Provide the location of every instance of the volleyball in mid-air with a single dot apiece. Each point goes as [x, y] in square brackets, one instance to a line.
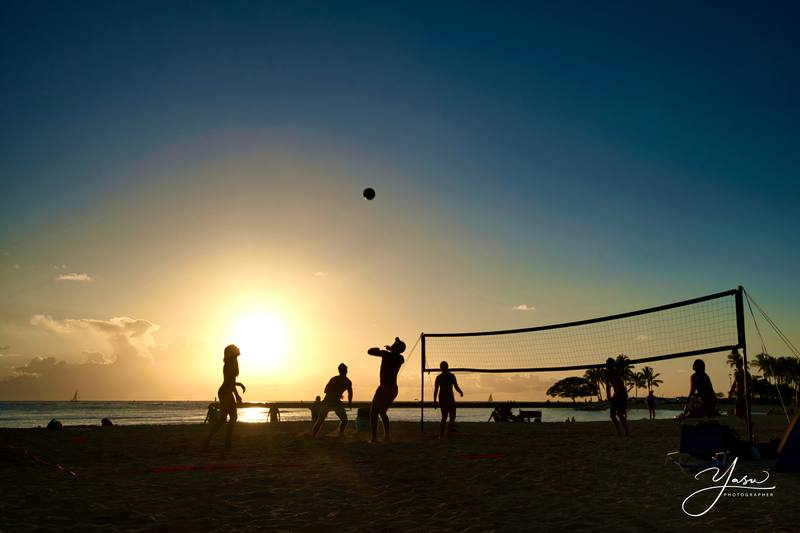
[369, 193]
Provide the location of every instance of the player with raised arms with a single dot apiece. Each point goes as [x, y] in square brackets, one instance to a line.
[391, 361]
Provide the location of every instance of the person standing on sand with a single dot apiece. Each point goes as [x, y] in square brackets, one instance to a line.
[228, 395]
[651, 405]
[739, 390]
[315, 407]
[333, 400]
[446, 382]
[618, 401]
[391, 361]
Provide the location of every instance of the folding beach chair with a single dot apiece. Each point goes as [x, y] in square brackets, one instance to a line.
[705, 445]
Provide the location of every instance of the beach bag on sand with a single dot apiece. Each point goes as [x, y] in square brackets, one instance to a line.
[706, 439]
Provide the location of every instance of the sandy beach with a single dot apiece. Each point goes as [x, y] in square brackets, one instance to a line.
[507, 477]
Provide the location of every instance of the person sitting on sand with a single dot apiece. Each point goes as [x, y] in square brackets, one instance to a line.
[739, 389]
[315, 408]
[391, 361]
[651, 405]
[446, 382]
[333, 400]
[619, 399]
[501, 413]
[228, 395]
[702, 398]
[212, 414]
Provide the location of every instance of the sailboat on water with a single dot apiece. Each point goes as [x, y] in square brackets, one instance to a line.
[74, 397]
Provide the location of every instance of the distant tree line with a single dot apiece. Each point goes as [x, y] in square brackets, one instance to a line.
[777, 374]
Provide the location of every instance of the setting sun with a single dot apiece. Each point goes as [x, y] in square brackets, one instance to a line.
[263, 340]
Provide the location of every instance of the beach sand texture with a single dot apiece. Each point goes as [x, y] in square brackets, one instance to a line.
[509, 477]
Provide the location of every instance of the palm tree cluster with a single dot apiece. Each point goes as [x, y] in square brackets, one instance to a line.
[781, 373]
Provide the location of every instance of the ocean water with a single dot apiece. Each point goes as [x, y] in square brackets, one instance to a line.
[33, 414]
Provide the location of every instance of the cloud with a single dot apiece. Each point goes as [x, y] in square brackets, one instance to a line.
[4, 348]
[642, 338]
[83, 276]
[96, 358]
[17, 267]
[58, 267]
[524, 307]
[134, 367]
[321, 274]
[513, 384]
[131, 338]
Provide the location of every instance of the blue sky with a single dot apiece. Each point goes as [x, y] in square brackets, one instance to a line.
[582, 158]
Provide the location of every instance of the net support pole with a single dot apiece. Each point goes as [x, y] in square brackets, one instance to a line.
[743, 346]
[422, 385]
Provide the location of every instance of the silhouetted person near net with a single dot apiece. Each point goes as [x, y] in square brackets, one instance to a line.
[618, 401]
[651, 405]
[702, 398]
[333, 400]
[446, 382]
[739, 389]
[391, 361]
[228, 395]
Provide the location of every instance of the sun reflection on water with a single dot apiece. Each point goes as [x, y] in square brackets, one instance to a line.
[253, 415]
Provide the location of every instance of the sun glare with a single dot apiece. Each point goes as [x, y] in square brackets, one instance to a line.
[263, 341]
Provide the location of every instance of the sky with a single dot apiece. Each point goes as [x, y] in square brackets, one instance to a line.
[179, 176]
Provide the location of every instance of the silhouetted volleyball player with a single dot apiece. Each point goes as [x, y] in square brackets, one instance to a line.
[333, 400]
[228, 395]
[618, 401]
[446, 382]
[391, 361]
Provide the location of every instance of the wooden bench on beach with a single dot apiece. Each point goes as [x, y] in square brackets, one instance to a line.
[526, 416]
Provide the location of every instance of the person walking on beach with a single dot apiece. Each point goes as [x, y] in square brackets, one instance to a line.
[619, 399]
[651, 405]
[446, 382]
[228, 395]
[333, 400]
[391, 361]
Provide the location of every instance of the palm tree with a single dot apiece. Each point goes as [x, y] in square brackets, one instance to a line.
[597, 377]
[638, 382]
[732, 358]
[625, 369]
[765, 363]
[651, 378]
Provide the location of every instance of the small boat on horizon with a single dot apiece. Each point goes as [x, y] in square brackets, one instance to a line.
[75, 397]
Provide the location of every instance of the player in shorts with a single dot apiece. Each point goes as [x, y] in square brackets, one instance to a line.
[391, 361]
[618, 401]
[443, 388]
[333, 400]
